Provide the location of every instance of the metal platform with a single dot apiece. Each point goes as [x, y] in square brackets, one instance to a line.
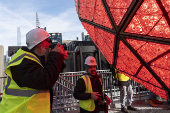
[142, 107]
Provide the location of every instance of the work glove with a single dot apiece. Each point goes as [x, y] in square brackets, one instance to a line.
[108, 100]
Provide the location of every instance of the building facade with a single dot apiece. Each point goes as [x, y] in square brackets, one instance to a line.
[1, 67]
[85, 36]
[78, 51]
[56, 37]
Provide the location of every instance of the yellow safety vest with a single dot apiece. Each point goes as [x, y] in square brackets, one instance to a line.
[122, 77]
[17, 99]
[89, 104]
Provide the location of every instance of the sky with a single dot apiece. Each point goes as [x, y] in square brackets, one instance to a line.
[55, 15]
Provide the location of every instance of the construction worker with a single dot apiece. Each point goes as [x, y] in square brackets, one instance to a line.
[88, 90]
[153, 100]
[31, 74]
[124, 83]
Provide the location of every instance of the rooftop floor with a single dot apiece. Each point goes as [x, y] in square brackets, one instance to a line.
[142, 107]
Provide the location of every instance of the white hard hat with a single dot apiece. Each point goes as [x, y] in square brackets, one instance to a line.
[91, 61]
[35, 37]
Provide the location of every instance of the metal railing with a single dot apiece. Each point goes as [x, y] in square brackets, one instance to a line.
[64, 88]
[2, 85]
[63, 99]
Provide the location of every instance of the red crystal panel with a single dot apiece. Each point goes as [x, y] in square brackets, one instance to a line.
[103, 40]
[150, 87]
[163, 62]
[158, 55]
[93, 10]
[144, 78]
[128, 63]
[101, 18]
[145, 75]
[100, 15]
[145, 18]
[118, 8]
[162, 73]
[161, 29]
[166, 4]
[119, 3]
[136, 44]
[148, 20]
[86, 9]
[154, 53]
[126, 60]
[150, 50]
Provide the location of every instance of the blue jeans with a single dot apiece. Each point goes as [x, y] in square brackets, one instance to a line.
[123, 90]
[152, 95]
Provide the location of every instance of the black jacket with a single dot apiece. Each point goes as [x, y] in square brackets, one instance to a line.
[80, 89]
[30, 74]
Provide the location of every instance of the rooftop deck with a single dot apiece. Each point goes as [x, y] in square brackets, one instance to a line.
[142, 107]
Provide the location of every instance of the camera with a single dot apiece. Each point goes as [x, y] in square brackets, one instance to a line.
[53, 45]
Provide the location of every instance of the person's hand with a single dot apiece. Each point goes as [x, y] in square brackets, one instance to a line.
[108, 100]
[95, 95]
[59, 48]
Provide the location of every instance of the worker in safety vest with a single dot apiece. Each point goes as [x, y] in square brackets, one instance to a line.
[88, 90]
[31, 74]
[124, 83]
[152, 101]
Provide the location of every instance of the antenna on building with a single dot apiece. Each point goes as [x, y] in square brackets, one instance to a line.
[37, 21]
[18, 36]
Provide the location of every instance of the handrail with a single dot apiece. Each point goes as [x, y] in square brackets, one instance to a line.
[67, 81]
[70, 75]
[82, 74]
[4, 77]
[64, 86]
[55, 108]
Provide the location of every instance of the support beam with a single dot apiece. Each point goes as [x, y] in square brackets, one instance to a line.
[109, 14]
[129, 15]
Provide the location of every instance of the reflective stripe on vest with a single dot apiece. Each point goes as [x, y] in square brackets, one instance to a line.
[17, 92]
[21, 56]
[87, 80]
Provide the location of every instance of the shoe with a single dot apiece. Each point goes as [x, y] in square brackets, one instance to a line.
[132, 108]
[124, 110]
[151, 103]
[157, 101]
